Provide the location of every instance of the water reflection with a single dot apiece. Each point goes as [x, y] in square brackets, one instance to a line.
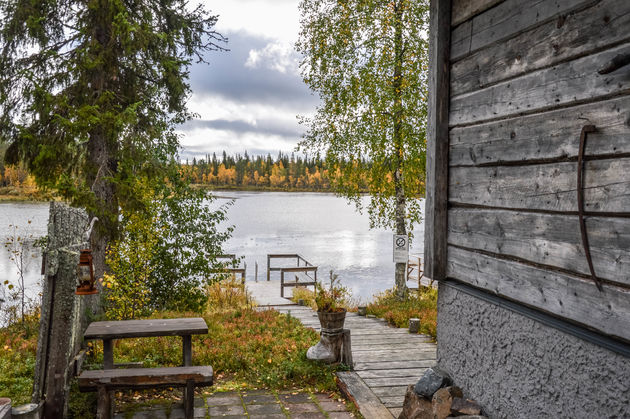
[325, 229]
[19, 214]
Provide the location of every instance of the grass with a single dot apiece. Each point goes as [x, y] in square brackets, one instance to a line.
[18, 345]
[247, 349]
[13, 193]
[302, 293]
[421, 304]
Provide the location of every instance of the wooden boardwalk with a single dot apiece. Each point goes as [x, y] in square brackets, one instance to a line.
[386, 359]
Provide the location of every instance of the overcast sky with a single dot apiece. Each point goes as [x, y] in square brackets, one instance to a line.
[248, 97]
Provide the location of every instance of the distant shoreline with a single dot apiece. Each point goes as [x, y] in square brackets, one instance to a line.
[17, 195]
[257, 189]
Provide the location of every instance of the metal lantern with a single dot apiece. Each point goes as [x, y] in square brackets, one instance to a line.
[85, 271]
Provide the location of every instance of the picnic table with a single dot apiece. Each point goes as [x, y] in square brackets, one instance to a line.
[109, 378]
[109, 331]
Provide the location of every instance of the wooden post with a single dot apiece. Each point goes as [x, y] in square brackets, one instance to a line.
[282, 283]
[414, 325]
[256, 270]
[346, 349]
[268, 266]
[189, 399]
[61, 352]
[108, 354]
[187, 350]
[104, 405]
[63, 316]
[436, 215]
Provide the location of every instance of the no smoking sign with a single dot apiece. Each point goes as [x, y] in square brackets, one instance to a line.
[401, 248]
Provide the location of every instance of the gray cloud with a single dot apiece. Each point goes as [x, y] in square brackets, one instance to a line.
[200, 152]
[265, 127]
[228, 77]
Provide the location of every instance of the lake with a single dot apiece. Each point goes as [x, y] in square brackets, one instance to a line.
[323, 228]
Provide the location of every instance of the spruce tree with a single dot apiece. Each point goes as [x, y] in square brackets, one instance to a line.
[91, 91]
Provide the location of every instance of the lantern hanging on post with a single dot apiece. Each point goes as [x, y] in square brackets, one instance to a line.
[85, 272]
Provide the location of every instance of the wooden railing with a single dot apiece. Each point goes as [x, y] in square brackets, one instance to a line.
[415, 271]
[232, 257]
[306, 269]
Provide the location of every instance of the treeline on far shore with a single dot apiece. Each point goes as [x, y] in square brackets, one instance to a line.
[241, 171]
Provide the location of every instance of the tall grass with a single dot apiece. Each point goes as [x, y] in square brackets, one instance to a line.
[246, 347]
[421, 304]
[18, 345]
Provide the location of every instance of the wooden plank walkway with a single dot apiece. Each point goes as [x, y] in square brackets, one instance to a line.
[386, 359]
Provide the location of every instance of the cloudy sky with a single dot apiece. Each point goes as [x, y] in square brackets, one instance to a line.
[248, 97]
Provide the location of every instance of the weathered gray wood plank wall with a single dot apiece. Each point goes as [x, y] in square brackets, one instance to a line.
[523, 82]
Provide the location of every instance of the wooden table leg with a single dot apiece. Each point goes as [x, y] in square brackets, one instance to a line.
[104, 406]
[189, 392]
[189, 399]
[108, 354]
[187, 351]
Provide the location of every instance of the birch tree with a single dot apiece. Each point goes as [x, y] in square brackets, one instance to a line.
[367, 62]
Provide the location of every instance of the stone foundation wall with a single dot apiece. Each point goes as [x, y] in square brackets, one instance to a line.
[516, 367]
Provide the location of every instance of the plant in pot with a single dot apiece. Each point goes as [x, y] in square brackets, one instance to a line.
[331, 311]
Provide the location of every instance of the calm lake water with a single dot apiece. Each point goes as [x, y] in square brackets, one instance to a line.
[323, 228]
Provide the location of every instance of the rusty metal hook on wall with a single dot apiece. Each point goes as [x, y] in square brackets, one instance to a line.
[580, 198]
[619, 61]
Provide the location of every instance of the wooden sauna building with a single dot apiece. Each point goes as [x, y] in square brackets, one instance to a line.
[528, 203]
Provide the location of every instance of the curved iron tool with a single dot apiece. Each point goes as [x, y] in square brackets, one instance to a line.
[619, 61]
[580, 197]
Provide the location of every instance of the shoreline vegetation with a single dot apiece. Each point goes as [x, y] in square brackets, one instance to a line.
[22, 194]
[284, 173]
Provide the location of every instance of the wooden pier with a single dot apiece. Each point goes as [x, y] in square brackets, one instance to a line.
[386, 359]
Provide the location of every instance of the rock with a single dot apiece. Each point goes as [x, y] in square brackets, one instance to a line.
[441, 403]
[5, 408]
[27, 411]
[415, 406]
[442, 399]
[461, 407]
[432, 380]
[456, 391]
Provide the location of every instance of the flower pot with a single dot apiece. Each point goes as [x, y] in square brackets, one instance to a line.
[332, 322]
[328, 349]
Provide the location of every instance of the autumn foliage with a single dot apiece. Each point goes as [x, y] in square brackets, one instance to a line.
[242, 171]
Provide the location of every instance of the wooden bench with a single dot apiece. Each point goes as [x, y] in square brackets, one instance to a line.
[103, 381]
[187, 376]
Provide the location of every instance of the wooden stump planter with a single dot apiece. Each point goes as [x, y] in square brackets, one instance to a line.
[328, 349]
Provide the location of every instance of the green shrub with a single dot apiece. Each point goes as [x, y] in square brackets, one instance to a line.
[18, 345]
[302, 293]
[421, 304]
[166, 253]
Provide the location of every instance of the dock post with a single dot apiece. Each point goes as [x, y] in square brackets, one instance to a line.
[268, 266]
